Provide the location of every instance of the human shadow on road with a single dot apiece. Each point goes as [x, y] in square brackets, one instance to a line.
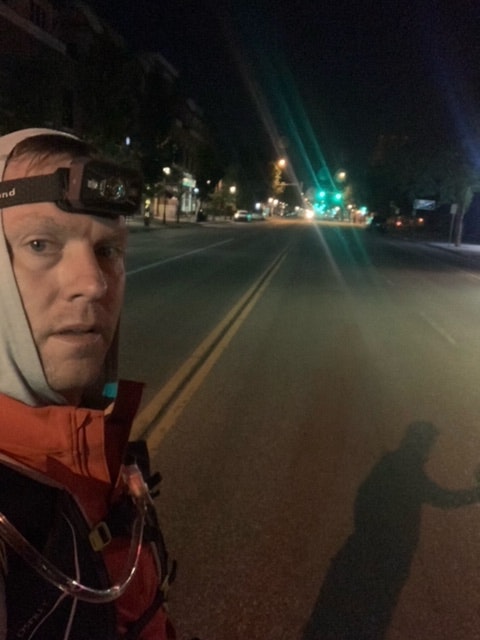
[362, 586]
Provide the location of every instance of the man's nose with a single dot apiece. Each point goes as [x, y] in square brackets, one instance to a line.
[84, 275]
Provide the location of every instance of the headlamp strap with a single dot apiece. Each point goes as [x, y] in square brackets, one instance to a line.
[45, 188]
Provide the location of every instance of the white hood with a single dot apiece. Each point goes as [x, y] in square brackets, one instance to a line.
[21, 372]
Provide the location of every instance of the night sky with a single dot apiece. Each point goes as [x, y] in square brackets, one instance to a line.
[319, 80]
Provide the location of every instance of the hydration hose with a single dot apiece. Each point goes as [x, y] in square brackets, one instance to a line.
[70, 586]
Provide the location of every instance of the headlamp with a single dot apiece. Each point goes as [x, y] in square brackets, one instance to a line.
[87, 186]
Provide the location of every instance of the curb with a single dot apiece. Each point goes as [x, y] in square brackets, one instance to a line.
[138, 225]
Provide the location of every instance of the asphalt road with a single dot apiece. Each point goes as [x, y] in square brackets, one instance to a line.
[313, 405]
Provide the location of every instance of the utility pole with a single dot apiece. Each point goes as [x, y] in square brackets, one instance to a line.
[465, 201]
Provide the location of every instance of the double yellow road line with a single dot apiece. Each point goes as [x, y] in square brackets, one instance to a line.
[162, 412]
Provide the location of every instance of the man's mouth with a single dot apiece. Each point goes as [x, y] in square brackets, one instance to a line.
[81, 335]
[76, 331]
[79, 328]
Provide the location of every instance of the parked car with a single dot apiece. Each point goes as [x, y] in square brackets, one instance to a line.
[411, 221]
[257, 215]
[242, 215]
[378, 223]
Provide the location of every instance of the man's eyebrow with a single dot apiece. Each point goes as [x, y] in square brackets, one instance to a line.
[37, 221]
[120, 233]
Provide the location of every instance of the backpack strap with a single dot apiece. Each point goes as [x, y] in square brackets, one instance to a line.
[137, 452]
[49, 518]
[118, 523]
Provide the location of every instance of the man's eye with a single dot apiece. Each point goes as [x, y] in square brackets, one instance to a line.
[38, 245]
[110, 251]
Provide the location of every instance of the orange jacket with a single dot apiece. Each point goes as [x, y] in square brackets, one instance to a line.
[82, 449]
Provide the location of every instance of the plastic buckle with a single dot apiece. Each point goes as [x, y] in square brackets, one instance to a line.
[100, 536]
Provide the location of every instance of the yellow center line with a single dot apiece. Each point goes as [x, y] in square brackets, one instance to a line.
[192, 373]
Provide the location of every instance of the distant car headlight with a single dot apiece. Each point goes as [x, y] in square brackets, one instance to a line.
[309, 214]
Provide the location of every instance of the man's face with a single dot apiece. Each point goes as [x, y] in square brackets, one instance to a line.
[70, 272]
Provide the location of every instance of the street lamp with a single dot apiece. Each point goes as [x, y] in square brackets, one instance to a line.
[232, 200]
[167, 171]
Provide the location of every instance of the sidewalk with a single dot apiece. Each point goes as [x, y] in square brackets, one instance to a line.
[136, 223]
[466, 250]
